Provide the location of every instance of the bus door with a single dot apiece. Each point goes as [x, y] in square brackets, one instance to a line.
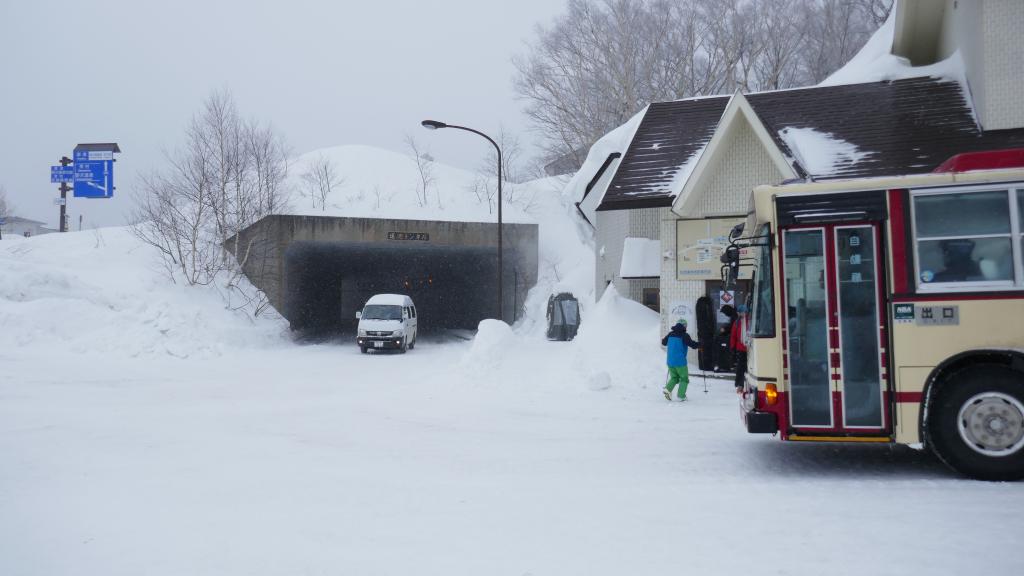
[835, 328]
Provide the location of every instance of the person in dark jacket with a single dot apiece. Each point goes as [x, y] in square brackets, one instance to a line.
[677, 342]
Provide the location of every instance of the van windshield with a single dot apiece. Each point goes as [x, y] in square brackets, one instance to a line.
[382, 312]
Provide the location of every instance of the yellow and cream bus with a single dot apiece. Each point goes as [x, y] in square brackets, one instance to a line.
[891, 310]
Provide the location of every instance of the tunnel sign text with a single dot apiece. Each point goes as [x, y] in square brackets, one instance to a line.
[421, 236]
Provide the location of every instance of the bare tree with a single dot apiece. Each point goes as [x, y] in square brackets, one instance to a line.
[603, 60]
[425, 171]
[320, 179]
[227, 175]
[5, 207]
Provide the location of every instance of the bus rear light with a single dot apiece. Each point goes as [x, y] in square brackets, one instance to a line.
[771, 394]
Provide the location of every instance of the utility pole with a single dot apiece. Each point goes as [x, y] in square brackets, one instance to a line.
[64, 188]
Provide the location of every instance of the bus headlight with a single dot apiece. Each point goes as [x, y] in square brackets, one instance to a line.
[771, 394]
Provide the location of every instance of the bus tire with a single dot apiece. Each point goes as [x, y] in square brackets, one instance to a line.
[976, 425]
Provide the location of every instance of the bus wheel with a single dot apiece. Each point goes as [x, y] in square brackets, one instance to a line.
[977, 423]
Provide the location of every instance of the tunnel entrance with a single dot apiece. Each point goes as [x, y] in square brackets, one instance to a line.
[318, 270]
[452, 286]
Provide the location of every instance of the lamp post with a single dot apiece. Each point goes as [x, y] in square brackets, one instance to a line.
[435, 125]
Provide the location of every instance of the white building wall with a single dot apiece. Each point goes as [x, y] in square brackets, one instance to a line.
[987, 34]
[1003, 102]
[612, 227]
[743, 165]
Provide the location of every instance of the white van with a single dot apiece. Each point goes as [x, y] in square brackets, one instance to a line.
[387, 321]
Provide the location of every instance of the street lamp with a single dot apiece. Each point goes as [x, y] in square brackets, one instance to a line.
[435, 125]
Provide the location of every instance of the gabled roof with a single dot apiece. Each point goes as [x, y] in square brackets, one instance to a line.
[669, 136]
[905, 126]
[879, 128]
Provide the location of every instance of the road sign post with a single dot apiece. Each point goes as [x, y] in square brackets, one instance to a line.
[92, 175]
[64, 161]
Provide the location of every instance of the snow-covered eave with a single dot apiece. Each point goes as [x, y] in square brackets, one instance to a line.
[588, 186]
[737, 110]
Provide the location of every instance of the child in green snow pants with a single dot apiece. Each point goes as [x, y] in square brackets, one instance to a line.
[678, 375]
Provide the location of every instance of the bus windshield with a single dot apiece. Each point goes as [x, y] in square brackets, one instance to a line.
[382, 312]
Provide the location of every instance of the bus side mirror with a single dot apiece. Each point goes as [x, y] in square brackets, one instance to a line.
[737, 231]
[731, 262]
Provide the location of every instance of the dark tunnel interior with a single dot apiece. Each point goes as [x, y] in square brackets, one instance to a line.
[327, 282]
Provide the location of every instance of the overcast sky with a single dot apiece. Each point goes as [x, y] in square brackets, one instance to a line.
[325, 73]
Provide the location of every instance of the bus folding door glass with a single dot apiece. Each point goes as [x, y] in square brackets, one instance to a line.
[1020, 222]
[963, 237]
[764, 307]
[810, 377]
[858, 326]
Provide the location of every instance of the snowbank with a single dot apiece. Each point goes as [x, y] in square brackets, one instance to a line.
[617, 347]
[101, 292]
[377, 183]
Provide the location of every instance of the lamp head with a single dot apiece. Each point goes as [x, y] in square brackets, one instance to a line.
[433, 124]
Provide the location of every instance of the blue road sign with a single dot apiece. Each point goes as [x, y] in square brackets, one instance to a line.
[62, 174]
[94, 174]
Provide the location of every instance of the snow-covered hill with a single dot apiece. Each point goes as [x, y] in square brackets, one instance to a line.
[103, 292]
[377, 183]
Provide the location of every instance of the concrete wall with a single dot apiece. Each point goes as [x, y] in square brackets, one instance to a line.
[612, 227]
[271, 237]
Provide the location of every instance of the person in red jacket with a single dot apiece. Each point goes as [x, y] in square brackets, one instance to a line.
[737, 341]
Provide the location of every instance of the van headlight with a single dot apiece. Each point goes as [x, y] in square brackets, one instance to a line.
[362, 332]
[400, 332]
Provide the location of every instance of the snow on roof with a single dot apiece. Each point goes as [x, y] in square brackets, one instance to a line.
[615, 141]
[641, 258]
[876, 62]
[663, 152]
[388, 299]
[377, 183]
[821, 153]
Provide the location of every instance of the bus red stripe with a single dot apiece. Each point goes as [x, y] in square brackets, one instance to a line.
[911, 397]
[897, 222]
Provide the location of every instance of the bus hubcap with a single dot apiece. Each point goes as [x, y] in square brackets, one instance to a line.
[992, 423]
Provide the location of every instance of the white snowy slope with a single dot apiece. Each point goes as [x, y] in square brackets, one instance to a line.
[506, 455]
[377, 183]
[103, 293]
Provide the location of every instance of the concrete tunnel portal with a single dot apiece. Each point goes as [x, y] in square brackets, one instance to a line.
[318, 270]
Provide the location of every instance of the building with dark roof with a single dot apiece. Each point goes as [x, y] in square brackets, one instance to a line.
[685, 175]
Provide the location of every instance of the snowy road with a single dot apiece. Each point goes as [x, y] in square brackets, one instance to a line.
[319, 460]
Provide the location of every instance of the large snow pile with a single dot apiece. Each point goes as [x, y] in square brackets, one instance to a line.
[102, 292]
[821, 153]
[375, 183]
[617, 347]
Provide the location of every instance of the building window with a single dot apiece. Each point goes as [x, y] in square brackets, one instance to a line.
[965, 240]
[652, 298]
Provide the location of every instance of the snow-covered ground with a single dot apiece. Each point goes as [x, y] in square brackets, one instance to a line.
[146, 429]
